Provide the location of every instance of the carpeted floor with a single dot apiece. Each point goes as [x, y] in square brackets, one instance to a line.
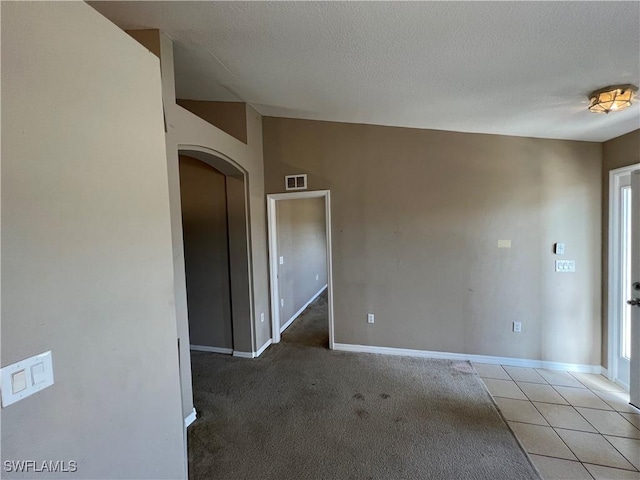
[301, 411]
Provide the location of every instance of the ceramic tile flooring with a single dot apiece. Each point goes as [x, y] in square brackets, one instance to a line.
[573, 425]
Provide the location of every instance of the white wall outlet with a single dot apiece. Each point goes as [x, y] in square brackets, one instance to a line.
[317, 277]
[282, 302]
[262, 317]
[517, 327]
[24, 378]
[371, 318]
[281, 260]
[504, 243]
[565, 266]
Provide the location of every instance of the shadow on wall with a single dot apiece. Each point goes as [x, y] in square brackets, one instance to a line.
[216, 255]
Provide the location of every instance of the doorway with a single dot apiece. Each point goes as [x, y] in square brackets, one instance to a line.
[216, 238]
[620, 313]
[292, 292]
[203, 199]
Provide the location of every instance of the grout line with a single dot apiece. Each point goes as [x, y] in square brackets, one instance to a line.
[591, 463]
[569, 429]
[547, 420]
[581, 406]
[607, 466]
[514, 380]
[574, 461]
[561, 439]
[577, 379]
[565, 443]
[576, 410]
[506, 423]
[586, 420]
[614, 447]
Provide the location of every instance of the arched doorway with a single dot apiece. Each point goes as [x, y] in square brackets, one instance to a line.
[216, 248]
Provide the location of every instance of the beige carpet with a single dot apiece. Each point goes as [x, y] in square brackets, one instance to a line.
[301, 411]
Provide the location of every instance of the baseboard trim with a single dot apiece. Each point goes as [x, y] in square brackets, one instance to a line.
[204, 348]
[190, 418]
[263, 348]
[239, 354]
[515, 362]
[297, 314]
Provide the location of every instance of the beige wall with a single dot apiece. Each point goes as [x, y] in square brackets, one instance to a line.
[187, 131]
[302, 242]
[206, 252]
[416, 217]
[242, 163]
[86, 246]
[230, 117]
[619, 152]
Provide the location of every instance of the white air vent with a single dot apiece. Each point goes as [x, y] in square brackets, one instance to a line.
[296, 182]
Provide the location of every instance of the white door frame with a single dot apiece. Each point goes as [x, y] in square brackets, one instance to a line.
[634, 370]
[273, 256]
[614, 287]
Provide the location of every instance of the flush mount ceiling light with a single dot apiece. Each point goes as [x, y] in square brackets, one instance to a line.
[611, 99]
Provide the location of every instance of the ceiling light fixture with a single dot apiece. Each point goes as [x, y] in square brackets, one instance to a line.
[611, 99]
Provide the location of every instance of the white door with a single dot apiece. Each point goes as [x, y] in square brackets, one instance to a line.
[634, 292]
[620, 209]
[623, 310]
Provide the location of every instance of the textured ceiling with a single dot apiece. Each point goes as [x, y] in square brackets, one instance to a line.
[512, 68]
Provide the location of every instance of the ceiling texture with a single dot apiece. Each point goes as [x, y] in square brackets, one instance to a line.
[511, 68]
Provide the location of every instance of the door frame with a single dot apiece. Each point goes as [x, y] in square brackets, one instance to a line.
[272, 199]
[613, 286]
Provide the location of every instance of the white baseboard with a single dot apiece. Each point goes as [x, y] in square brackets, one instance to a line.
[297, 314]
[237, 353]
[190, 418]
[263, 348]
[204, 348]
[515, 362]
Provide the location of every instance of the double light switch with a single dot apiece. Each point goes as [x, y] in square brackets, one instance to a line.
[24, 378]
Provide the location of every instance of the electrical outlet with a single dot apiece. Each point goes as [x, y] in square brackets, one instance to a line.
[371, 318]
[262, 317]
[517, 327]
[317, 277]
[282, 302]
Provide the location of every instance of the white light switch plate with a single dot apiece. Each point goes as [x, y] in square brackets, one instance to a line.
[504, 243]
[24, 378]
[565, 266]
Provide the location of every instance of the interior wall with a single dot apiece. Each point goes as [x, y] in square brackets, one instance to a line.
[186, 131]
[416, 220]
[619, 152]
[302, 242]
[230, 117]
[86, 247]
[206, 253]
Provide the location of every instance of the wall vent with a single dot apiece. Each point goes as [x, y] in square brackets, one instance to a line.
[296, 182]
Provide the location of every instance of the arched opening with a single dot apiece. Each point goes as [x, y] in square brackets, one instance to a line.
[215, 238]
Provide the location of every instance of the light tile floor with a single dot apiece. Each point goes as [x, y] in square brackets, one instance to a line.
[573, 425]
